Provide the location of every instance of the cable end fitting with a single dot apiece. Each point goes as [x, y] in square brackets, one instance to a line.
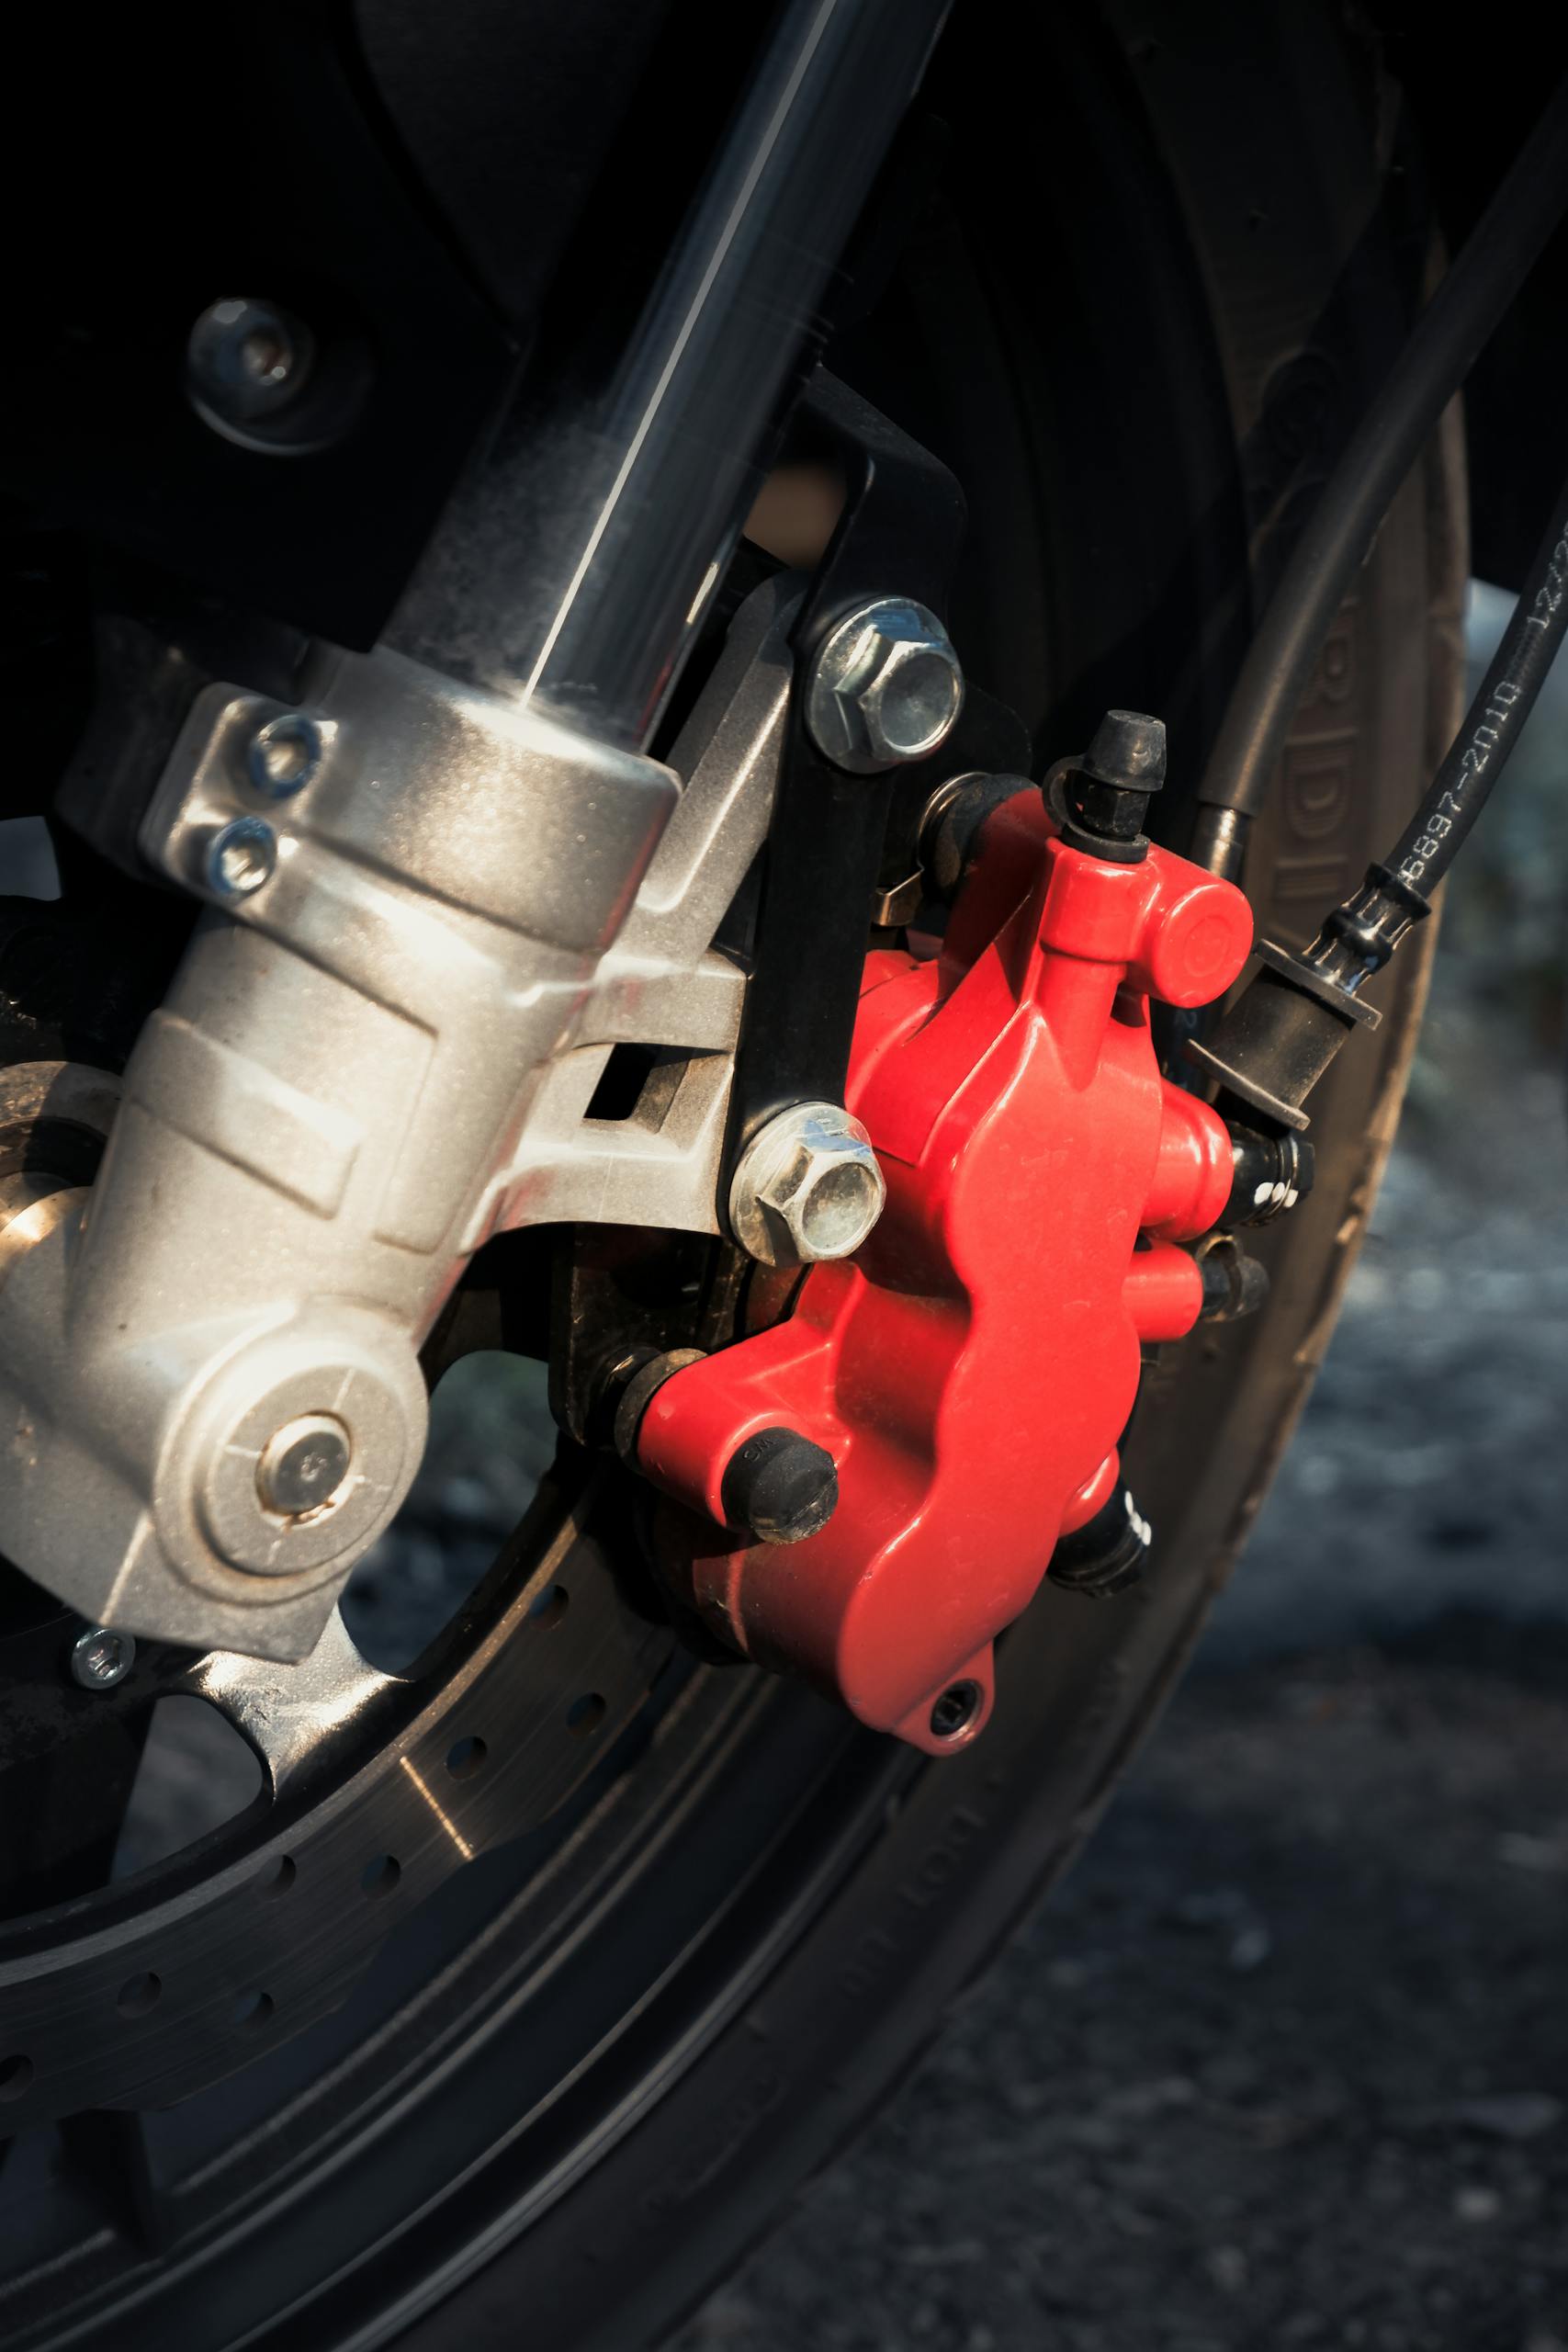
[1273, 1174]
[1280, 1036]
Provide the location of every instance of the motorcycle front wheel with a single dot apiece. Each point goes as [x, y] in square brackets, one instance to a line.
[517, 2070]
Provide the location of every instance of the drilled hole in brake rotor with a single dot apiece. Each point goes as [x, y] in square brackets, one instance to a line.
[585, 1714]
[139, 1995]
[252, 2010]
[546, 1610]
[16, 2073]
[380, 1874]
[465, 1758]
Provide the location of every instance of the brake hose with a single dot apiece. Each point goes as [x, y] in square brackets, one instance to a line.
[1281, 1034]
[1447, 337]
[1464, 784]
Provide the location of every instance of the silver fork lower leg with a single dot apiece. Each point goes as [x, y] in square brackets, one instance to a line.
[209, 1374]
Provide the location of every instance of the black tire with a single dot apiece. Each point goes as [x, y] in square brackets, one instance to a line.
[1170, 256]
[1229, 182]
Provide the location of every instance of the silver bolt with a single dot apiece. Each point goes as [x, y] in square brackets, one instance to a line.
[885, 687]
[806, 1187]
[245, 360]
[285, 755]
[303, 1465]
[240, 857]
[101, 1657]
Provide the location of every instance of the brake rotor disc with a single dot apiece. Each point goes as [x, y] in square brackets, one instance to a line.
[167, 1983]
[376, 1787]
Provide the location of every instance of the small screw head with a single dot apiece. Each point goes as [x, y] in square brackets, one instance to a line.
[240, 857]
[246, 360]
[100, 1657]
[885, 687]
[285, 755]
[806, 1188]
[956, 1710]
[304, 1464]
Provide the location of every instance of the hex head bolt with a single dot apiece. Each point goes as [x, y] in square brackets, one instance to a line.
[885, 687]
[806, 1187]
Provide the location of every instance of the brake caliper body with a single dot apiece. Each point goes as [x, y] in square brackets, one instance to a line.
[971, 1371]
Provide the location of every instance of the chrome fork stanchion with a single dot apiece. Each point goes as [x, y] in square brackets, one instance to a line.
[412, 885]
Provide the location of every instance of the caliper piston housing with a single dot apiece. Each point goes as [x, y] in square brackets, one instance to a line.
[971, 1371]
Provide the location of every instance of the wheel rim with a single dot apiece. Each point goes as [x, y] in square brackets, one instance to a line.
[470, 2053]
[153, 2231]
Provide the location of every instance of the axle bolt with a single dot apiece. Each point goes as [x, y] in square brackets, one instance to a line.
[806, 1188]
[240, 857]
[101, 1657]
[780, 1487]
[303, 1465]
[245, 361]
[885, 687]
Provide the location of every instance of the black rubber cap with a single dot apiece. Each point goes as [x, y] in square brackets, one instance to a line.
[1105, 795]
[1128, 749]
[780, 1487]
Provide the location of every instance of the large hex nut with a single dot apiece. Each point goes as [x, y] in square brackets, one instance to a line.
[806, 1188]
[885, 687]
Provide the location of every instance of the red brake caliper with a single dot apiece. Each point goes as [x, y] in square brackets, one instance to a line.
[972, 1370]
